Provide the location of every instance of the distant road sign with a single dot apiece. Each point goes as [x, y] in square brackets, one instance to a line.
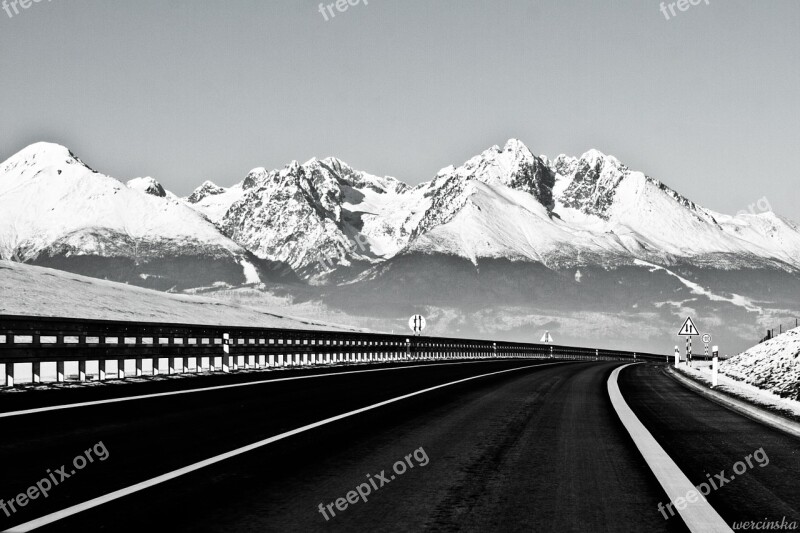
[688, 329]
[706, 338]
[547, 338]
[417, 323]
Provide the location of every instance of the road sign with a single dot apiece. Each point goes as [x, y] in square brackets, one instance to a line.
[547, 338]
[707, 338]
[688, 329]
[417, 323]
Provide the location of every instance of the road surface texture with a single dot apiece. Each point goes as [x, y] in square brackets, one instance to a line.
[705, 439]
[531, 449]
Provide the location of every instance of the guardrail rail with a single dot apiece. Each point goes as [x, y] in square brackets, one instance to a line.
[37, 340]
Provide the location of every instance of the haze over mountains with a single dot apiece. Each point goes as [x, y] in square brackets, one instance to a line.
[505, 244]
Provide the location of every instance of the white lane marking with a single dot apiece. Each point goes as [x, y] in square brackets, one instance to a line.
[698, 516]
[75, 509]
[216, 387]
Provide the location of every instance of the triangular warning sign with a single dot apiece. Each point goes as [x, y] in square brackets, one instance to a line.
[688, 329]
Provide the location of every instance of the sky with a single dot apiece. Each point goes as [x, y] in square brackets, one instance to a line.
[706, 100]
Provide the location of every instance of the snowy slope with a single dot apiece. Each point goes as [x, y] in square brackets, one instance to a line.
[55, 208]
[37, 291]
[773, 365]
[499, 222]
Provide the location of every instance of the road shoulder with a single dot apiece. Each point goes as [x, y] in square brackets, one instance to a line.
[745, 408]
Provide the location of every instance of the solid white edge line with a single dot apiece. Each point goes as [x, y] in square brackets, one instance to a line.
[100, 500]
[698, 516]
[218, 387]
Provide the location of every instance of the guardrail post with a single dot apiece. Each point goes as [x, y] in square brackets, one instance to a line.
[9, 374]
[226, 350]
[715, 366]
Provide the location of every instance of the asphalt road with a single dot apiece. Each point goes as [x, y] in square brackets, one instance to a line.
[705, 439]
[536, 449]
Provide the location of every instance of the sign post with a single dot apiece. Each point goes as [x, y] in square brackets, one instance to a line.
[706, 341]
[688, 330]
[677, 356]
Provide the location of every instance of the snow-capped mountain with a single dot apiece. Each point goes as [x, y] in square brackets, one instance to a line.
[56, 211]
[323, 216]
[599, 193]
[312, 216]
[505, 234]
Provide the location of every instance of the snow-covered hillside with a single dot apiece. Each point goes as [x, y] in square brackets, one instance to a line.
[773, 365]
[37, 291]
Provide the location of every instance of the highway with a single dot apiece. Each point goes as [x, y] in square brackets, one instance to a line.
[516, 445]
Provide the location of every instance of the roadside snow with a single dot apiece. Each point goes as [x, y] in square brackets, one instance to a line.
[702, 372]
[773, 365]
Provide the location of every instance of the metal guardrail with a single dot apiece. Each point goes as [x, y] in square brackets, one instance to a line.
[36, 340]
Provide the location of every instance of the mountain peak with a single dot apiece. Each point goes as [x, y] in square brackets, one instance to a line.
[42, 155]
[515, 145]
[208, 188]
[147, 185]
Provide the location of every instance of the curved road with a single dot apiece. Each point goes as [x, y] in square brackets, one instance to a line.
[535, 446]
